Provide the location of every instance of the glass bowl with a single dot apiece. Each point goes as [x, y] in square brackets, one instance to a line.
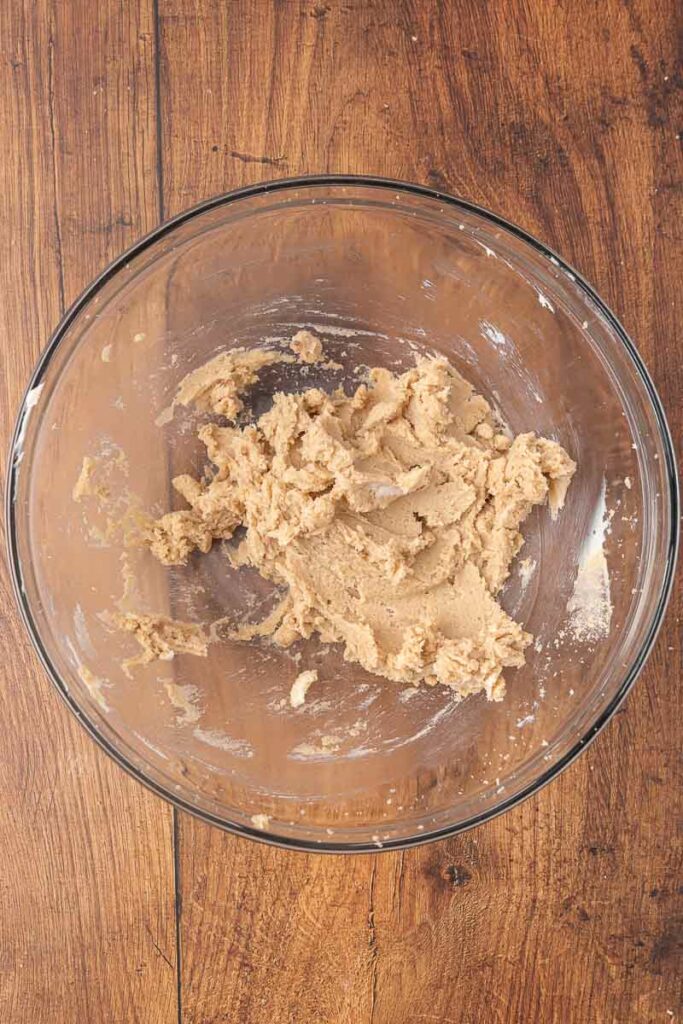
[381, 271]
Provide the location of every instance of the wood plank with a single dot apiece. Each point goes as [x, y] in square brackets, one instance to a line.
[87, 926]
[565, 123]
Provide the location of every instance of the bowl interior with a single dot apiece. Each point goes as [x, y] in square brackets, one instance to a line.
[381, 274]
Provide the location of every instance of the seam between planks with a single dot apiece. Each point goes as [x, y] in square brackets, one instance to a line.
[177, 905]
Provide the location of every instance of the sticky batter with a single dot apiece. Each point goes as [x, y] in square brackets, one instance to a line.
[390, 516]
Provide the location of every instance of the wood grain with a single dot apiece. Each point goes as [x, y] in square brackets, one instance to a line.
[565, 123]
[566, 118]
[87, 926]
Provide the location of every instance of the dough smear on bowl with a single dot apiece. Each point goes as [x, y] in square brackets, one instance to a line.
[390, 516]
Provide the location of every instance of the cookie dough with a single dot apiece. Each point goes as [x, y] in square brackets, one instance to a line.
[390, 516]
[300, 687]
[260, 821]
[86, 486]
[161, 637]
[217, 385]
[307, 346]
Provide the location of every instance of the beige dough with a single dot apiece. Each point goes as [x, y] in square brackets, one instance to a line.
[216, 386]
[160, 637]
[390, 517]
[261, 821]
[307, 347]
[85, 486]
[300, 687]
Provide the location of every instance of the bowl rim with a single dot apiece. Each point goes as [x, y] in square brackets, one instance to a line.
[657, 615]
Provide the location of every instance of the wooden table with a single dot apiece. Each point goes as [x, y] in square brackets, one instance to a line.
[562, 116]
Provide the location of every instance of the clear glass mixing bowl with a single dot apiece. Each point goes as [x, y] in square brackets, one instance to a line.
[380, 270]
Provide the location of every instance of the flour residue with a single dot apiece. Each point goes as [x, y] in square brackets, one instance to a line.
[324, 746]
[94, 686]
[486, 248]
[29, 405]
[183, 699]
[321, 747]
[406, 695]
[545, 302]
[220, 740]
[82, 633]
[434, 720]
[340, 332]
[527, 568]
[493, 334]
[590, 606]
